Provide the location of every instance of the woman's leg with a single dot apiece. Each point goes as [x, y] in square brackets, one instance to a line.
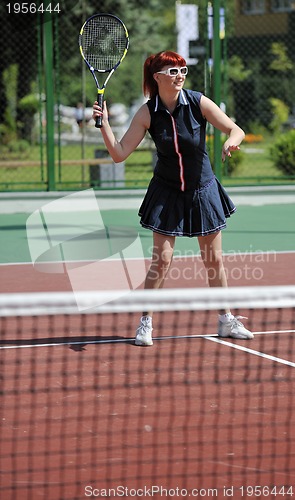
[161, 261]
[211, 253]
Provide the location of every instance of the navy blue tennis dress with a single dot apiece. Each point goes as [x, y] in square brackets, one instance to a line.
[184, 198]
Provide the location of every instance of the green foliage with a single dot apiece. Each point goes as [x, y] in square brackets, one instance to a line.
[231, 165]
[30, 103]
[280, 114]
[272, 75]
[236, 69]
[9, 78]
[256, 128]
[8, 129]
[283, 153]
[14, 148]
[236, 72]
[281, 61]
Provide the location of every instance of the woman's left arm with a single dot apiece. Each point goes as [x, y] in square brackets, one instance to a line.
[222, 122]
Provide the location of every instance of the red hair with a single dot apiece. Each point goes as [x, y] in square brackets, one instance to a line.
[155, 63]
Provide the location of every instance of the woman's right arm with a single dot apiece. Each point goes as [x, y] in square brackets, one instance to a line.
[120, 150]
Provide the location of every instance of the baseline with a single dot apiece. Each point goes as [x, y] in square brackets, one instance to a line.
[213, 337]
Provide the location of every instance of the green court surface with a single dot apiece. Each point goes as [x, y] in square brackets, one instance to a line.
[253, 228]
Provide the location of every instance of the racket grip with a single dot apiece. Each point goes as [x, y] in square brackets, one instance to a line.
[98, 122]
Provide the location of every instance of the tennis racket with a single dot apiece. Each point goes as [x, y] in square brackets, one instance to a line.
[103, 42]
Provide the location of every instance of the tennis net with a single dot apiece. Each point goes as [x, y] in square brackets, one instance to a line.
[86, 413]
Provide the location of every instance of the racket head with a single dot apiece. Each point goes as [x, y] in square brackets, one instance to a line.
[103, 42]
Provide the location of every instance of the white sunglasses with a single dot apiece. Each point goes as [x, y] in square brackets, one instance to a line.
[175, 71]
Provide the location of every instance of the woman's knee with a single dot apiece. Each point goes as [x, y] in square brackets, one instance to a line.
[163, 251]
[211, 250]
[162, 258]
[212, 258]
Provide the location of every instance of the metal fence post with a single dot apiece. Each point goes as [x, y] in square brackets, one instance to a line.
[217, 83]
[49, 105]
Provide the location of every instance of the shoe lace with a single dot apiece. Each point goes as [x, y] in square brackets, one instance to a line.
[236, 321]
[146, 328]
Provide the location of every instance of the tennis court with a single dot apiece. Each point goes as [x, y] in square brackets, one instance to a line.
[87, 414]
[258, 243]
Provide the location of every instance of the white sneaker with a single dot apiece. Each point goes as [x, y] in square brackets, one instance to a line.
[144, 332]
[234, 328]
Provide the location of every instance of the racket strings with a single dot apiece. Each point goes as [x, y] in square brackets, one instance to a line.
[103, 42]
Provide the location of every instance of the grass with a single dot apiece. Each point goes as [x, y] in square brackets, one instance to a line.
[257, 161]
[256, 168]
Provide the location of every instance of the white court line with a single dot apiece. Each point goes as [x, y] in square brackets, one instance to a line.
[129, 340]
[148, 258]
[251, 351]
[273, 331]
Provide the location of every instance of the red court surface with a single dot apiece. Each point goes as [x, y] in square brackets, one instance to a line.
[86, 413]
[261, 269]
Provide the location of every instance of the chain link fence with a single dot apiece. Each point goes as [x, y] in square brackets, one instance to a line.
[48, 138]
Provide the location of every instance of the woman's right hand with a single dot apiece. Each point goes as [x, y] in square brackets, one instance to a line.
[97, 111]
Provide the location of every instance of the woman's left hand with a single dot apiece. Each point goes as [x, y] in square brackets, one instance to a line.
[226, 150]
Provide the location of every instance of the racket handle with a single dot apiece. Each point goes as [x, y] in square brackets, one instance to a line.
[98, 122]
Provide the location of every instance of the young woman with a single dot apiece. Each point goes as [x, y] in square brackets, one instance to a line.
[184, 198]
